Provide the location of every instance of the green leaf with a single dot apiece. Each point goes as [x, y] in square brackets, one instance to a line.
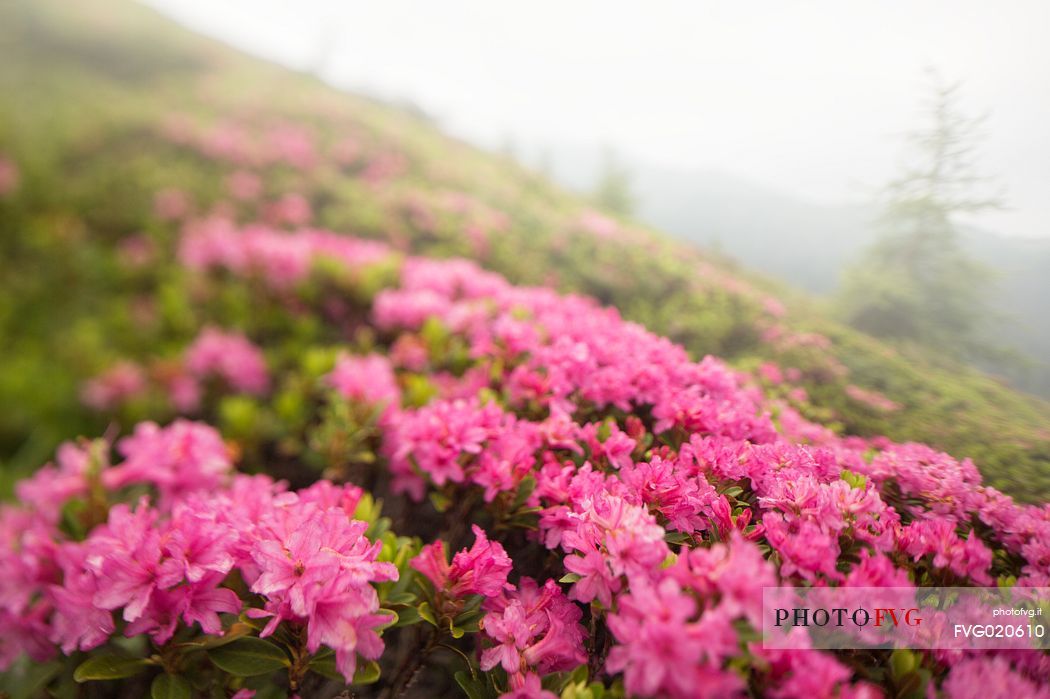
[30, 680]
[324, 664]
[902, 662]
[569, 578]
[473, 604]
[580, 675]
[524, 491]
[677, 538]
[393, 619]
[109, 667]
[471, 686]
[440, 501]
[170, 687]
[71, 522]
[247, 657]
[427, 613]
[401, 598]
[408, 616]
[469, 619]
[367, 673]
[366, 510]
[238, 630]
[855, 480]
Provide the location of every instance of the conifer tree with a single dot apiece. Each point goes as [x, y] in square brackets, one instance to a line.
[916, 283]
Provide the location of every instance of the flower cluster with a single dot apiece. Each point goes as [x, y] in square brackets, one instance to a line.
[653, 495]
[170, 564]
[534, 631]
[481, 570]
[227, 359]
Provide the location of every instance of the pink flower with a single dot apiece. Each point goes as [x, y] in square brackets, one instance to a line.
[317, 566]
[991, 677]
[78, 623]
[804, 674]
[597, 580]
[663, 652]
[243, 185]
[184, 391]
[293, 568]
[528, 686]
[292, 209]
[368, 379]
[52, 486]
[195, 547]
[200, 604]
[481, 570]
[435, 439]
[533, 628]
[137, 251]
[125, 555]
[292, 144]
[121, 382]
[771, 373]
[229, 356]
[8, 176]
[734, 573]
[876, 570]
[171, 204]
[805, 548]
[343, 617]
[685, 499]
[872, 399]
[178, 459]
[598, 225]
[616, 539]
[966, 558]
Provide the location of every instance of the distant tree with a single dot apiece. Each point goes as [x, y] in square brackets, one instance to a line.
[613, 190]
[915, 283]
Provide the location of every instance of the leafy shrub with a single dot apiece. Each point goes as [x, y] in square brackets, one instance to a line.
[575, 508]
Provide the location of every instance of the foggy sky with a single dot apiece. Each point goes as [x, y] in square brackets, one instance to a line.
[808, 97]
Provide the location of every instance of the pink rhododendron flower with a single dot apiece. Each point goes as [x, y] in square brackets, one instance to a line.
[481, 570]
[662, 651]
[229, 356]
[991, 677]
[316, 566]
[528, 686]
[533, 627]
[137, 251]
[121, 382]
[8, 176]
[661, 488]
[367, 379]
[291, 209]
[178, 459]
[244, 185]
[171, 204]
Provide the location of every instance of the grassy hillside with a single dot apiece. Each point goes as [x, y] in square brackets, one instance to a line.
[122, 127]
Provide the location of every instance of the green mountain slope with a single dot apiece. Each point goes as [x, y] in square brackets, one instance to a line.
[112, 114]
